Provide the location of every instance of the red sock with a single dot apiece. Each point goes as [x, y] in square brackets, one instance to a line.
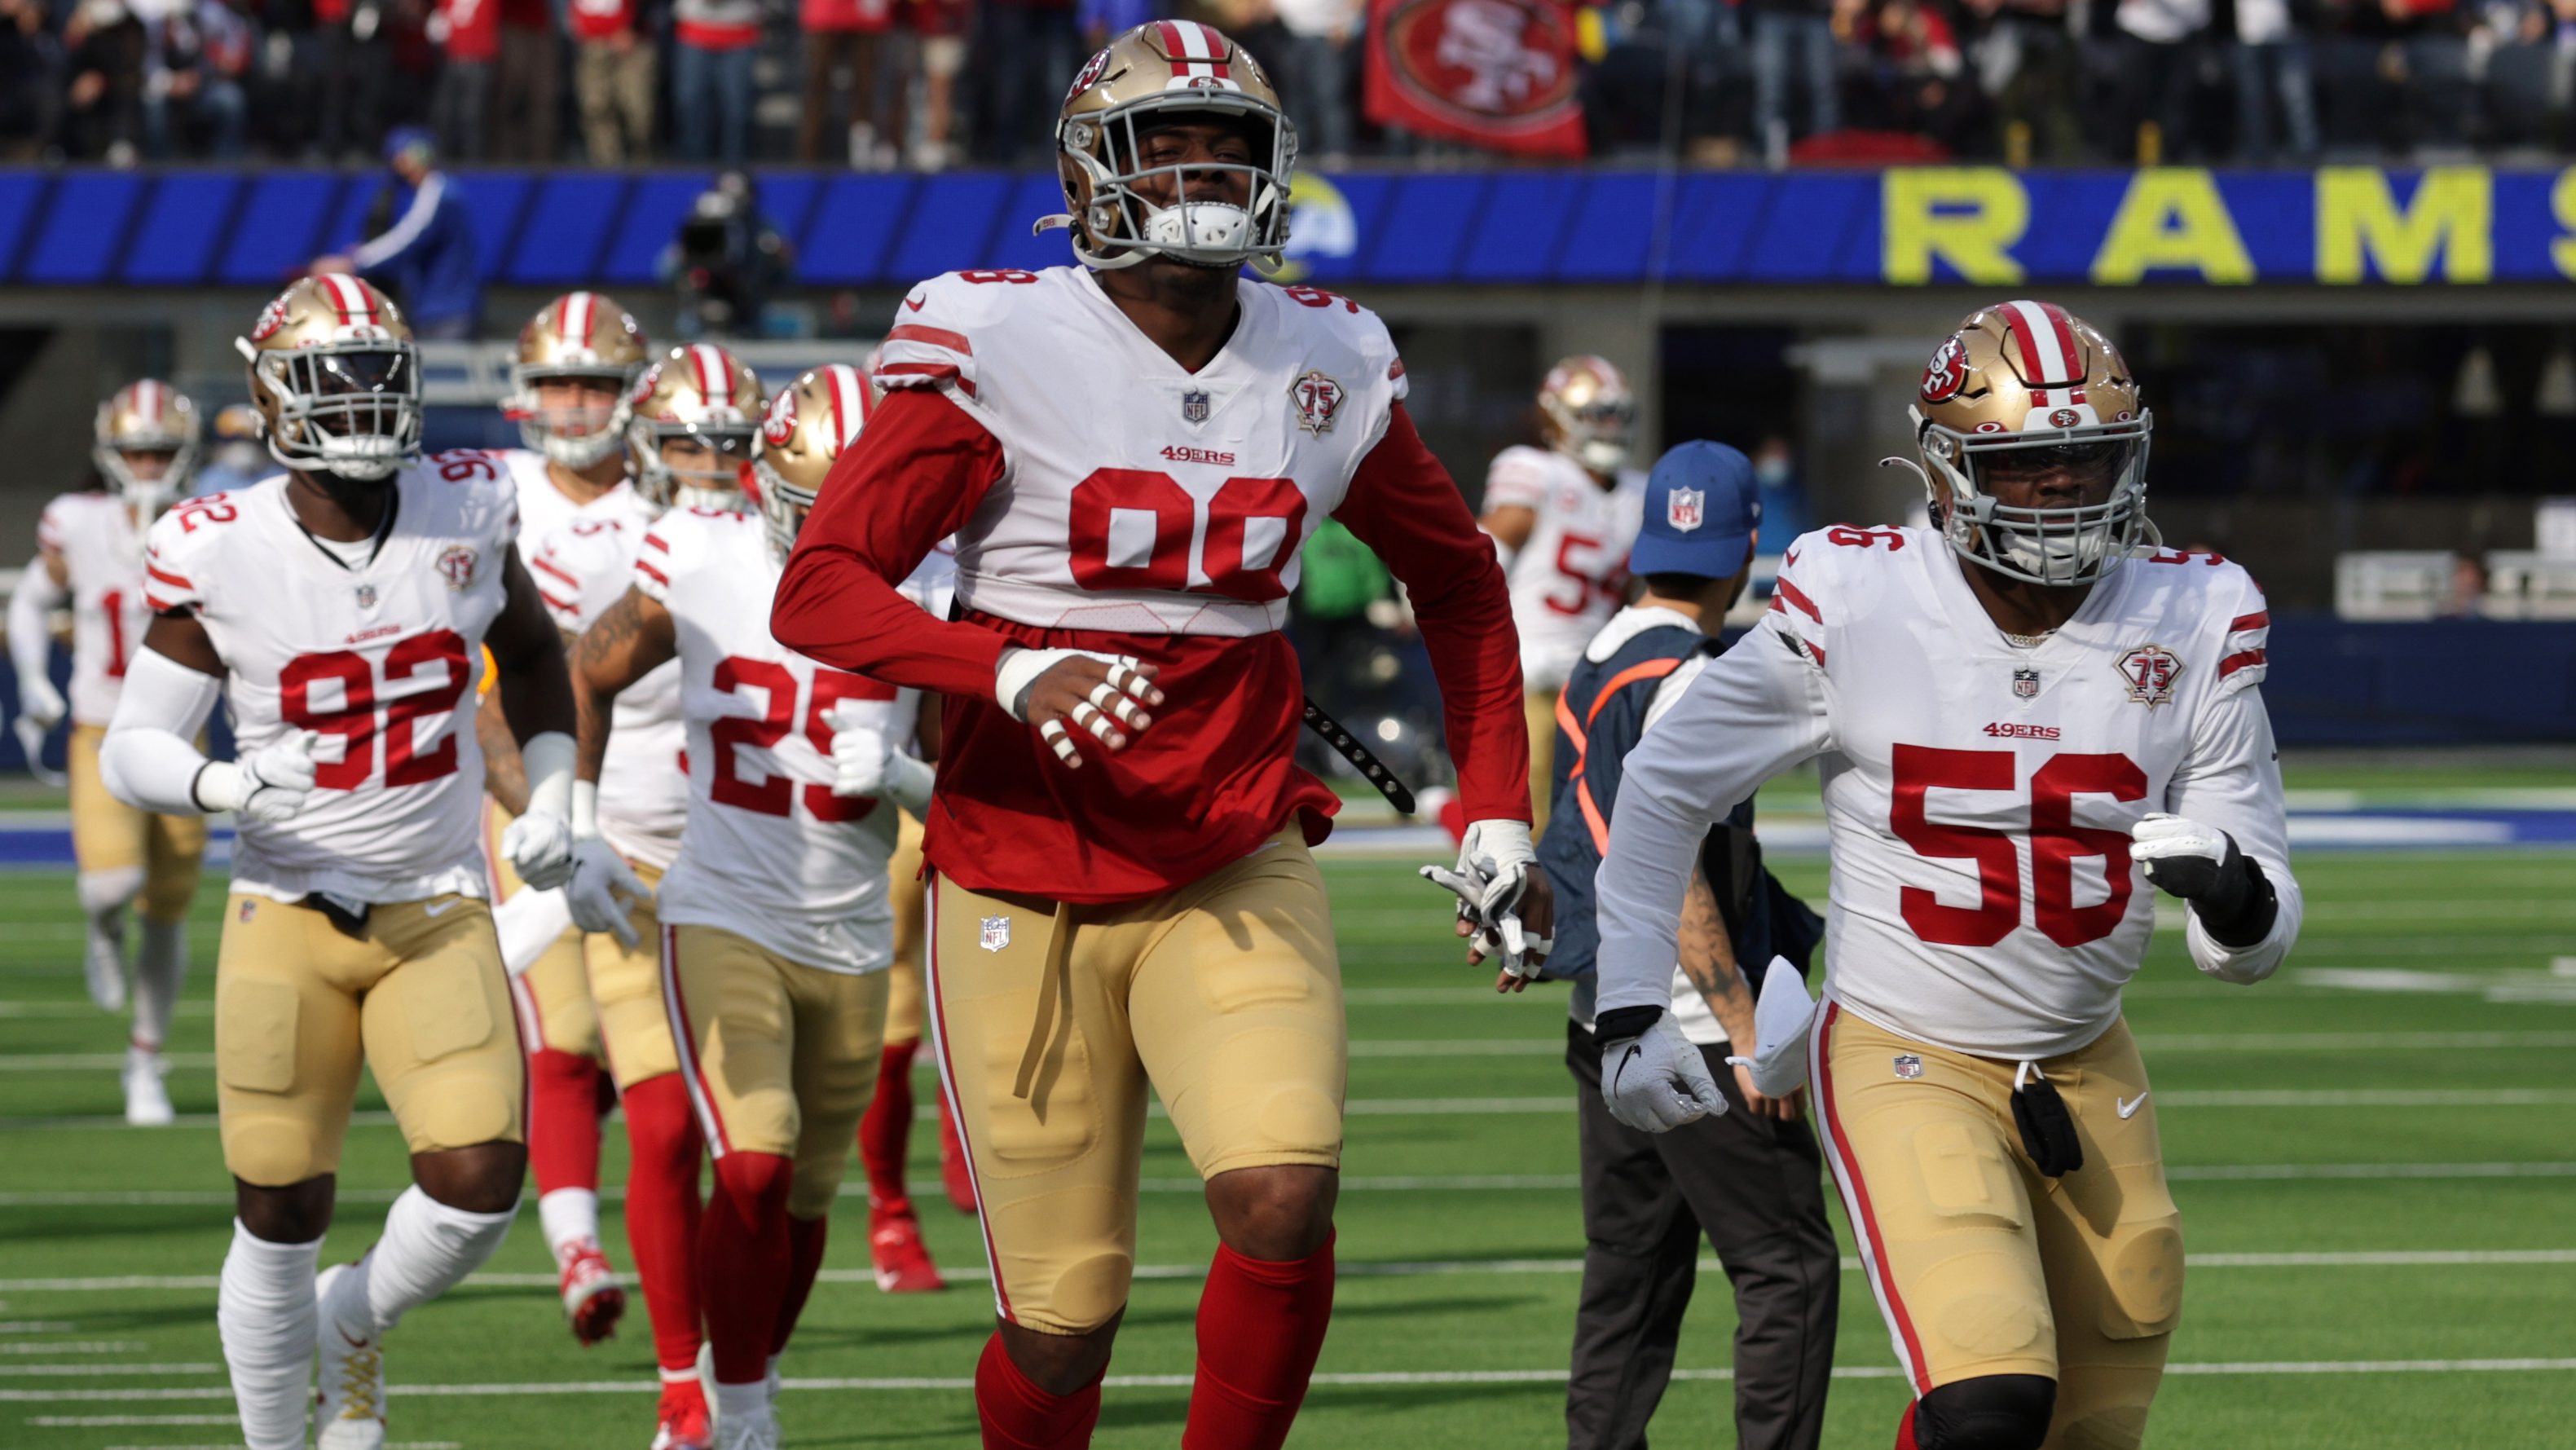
[1905, 1430]
[743, 1249]
[662, 1213]
[804, 1260]
[886, 1132]
[1261, 1324]
[1017, 1415]
[563, 1120]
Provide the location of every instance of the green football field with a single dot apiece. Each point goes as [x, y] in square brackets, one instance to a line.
[2375, 1154]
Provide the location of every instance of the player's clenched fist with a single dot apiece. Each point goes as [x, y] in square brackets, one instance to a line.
[269, 784]
[1069, 693]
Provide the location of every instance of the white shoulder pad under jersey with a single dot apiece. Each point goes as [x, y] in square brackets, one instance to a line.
[379, 657]
[769, 853]
[100, 547]
[1137, 496]
[582, 566]
[1981, 795]
[1571, 574]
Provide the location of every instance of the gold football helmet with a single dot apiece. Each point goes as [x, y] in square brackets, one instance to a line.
[1586, 410]
[1160, 70]
[2023, 386]
[700, 397]
[580, 335]
[336, 379]
[153, 419]
[810, 421]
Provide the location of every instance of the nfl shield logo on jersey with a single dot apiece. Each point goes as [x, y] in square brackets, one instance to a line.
[1908, 1066]
[2150, 671]
[1194, 406]
[2025, 684]
[1686, 508]
[456, 566]
[366, 596]
[997, 933]
[1318, 399]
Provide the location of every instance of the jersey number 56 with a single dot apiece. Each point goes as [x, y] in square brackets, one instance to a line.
[2055, 844]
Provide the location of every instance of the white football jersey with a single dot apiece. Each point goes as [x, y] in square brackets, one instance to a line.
[1132, 483]
[103, 551]
[769, 852]
[1572, 573]
[544, 510]
[378, 656]
[585, 565]
[1979, 795]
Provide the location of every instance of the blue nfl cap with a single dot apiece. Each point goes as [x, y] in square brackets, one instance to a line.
[1702, 510]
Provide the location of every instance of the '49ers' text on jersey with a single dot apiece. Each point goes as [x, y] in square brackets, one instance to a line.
[377, 656]
[1980, 795]
[581, 566]
[1571, 573]
[769, 852]
[103, 553]
[1105, 498]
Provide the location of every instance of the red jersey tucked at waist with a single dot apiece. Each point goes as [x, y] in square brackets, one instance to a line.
[1212, 778]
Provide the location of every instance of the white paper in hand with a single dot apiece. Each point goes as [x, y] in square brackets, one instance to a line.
[1782, 1017]
[528, 923]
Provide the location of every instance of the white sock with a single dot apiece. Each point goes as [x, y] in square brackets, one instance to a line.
[736, 1403]
[158, 970]
[104, 895]
[427, 1249]
[265, 1311]
[569, 1216]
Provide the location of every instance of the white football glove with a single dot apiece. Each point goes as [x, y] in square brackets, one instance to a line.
[1115, 711]
[1492, 874]
[865, 762]
[1657, 1081]
[39, 701]
[604, 891]
[539, 845]
[269, 784]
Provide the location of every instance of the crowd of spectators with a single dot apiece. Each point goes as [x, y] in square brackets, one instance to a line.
[887, 83]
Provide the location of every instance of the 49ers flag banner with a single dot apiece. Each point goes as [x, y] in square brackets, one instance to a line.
[1494, 73]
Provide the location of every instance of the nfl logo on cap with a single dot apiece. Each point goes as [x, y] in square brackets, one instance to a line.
[1686, 509]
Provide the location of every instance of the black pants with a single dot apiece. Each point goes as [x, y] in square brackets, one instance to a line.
[1755, 1187]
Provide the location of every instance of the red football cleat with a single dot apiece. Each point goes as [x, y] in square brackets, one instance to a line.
[683, 1416]
[902, 1259]
[593, 1300]
[955, 1173]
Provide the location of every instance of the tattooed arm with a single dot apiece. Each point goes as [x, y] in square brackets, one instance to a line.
[1708, 960]
[505, 775]
[631, 640]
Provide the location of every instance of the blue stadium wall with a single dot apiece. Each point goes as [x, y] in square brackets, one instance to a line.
[1915, 226]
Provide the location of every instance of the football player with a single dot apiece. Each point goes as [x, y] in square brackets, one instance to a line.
[1565, 516]
[339, 608]
[577, 358]
[90, 554]
[1123, 894]
[776, 931]
[2015, 709]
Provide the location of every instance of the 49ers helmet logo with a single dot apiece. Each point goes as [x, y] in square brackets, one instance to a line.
[781, 423]
[1947, 373]
[1084, 79]
[271, 318]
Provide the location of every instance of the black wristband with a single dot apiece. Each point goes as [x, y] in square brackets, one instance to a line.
[2257, 906]
[195, 799]
[1622, 1023]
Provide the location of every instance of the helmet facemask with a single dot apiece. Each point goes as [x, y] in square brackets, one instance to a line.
[149, 496]
[1111, 175]
[712, 479]
[2060, 546]
[349, 409]
[783, 507]
[1596, 434]
[576, 437]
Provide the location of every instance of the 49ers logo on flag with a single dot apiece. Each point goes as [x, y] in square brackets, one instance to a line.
[781, 423]
[1947, 373]
[1319, 401]
[1493, 73]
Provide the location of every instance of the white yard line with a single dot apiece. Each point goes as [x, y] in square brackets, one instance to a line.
[37, 1326]
[77, 1346]
[904, 1384]
[22, 1371]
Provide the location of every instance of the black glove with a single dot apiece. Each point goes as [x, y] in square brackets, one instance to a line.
[2202, 865]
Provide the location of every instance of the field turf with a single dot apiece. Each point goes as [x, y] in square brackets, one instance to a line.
[2375, 1155]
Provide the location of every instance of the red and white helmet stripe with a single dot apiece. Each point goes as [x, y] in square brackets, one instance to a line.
[354, 299]
[150, 401]
[714, 374]
[849, 402]
[1196, 51]
[2049, 356]
[579, 313]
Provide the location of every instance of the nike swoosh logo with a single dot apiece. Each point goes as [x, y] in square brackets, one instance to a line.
[2129, 1107]
[440, 908]
[915, 303]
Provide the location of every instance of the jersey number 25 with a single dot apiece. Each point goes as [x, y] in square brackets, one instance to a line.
[773, 795]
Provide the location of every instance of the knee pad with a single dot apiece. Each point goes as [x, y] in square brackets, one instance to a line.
[1989, 1412]
[109, 890]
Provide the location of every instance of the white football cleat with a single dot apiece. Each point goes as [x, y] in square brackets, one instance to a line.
[147, 1099]
[349, 1407]
[593, 1299]
[754, 1431]
[104, 966]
